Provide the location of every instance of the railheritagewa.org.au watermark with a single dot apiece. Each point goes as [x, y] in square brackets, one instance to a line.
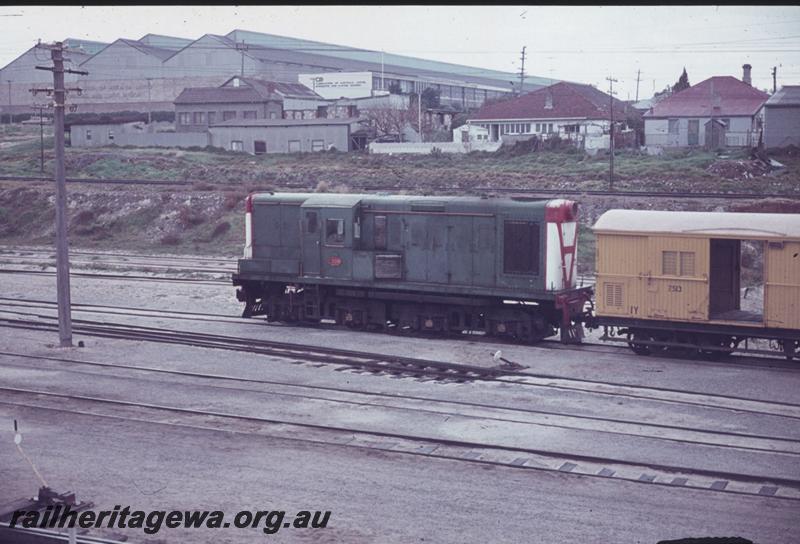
[151, 522]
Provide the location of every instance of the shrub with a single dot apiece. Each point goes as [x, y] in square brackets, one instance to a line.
[189, 217]
[170, 240]
[220, 229]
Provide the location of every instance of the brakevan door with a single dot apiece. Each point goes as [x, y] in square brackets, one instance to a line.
[312, 233]
[724, 276]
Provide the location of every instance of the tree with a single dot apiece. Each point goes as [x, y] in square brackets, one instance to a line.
[683, 82]
[430, 98]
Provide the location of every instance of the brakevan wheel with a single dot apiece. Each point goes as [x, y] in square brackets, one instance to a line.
[639, 349]
[791, 348]
[725, 343]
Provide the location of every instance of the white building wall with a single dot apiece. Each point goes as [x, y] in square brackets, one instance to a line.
[742, 132]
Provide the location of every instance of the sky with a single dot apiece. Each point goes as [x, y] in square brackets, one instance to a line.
[585, 44]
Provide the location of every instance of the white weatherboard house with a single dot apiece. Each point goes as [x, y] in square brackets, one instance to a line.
[721, 111]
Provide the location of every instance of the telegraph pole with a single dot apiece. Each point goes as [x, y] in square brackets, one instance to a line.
[149, 105]
[10, 115]
[611, 82]
[638, 75]
[242, 47]
[62, 245]
[774, 79]
[522, 71]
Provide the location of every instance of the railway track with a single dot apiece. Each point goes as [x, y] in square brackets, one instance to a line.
[404, 443]
[402, 366]
[452, 190]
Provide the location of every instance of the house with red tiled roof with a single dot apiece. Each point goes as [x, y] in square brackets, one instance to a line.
[570, 110]
[721, 111]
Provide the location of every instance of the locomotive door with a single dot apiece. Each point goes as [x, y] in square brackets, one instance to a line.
[311, 241]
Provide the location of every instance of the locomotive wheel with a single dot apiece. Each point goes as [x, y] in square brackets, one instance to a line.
[639, 349]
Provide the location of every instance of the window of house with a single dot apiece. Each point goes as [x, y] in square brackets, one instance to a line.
[527, 128]
[199, 118]
[334, 232]
[550, 127]
[212, 117]
[259, 147]
[88, 134]
[317, 145]
[520, 247]
[110, 135]
[322, 112]
[185, 118]
[672, 126]
[251, 114]
[294, 146]
[538, 127]
[237, 145]
[273, 115]
[228, 115]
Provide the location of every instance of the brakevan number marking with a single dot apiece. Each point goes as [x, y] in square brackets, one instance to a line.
[675, 288]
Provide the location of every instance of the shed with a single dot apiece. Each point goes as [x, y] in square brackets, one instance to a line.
[687, 266]
[782, 118]
[259, 136]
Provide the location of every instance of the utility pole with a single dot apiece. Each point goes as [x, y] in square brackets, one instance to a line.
[10, 115]
[149, 105]
[242, 47]
[611, 82]
[638, 75]
[522, 71]
[62, 245]
[774, 79]
[419, 112]
[41, 135]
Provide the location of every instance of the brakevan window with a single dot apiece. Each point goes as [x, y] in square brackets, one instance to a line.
[88, 134]
[311, 222]
[521, 247]
[259, 147]
[317, 145]
[110, 135]
[237, 145]
[677, 263]
[334, 232]
[294, 146]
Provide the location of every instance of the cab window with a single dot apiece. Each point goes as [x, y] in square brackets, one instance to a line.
[334, 232]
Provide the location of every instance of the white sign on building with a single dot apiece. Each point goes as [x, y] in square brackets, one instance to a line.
[332, 85]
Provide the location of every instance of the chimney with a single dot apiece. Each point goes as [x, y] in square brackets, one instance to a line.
[548, 101]
[236, 82]
[746, 74]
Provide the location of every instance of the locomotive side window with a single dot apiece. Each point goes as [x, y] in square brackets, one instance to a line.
[334, 232]
[311, 222]
[521, 247]
[380, 232]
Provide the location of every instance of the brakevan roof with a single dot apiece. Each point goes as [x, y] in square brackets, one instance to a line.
[741, 225]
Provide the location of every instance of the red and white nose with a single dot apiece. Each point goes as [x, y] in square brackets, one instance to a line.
[248, 227]
[561, 217]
